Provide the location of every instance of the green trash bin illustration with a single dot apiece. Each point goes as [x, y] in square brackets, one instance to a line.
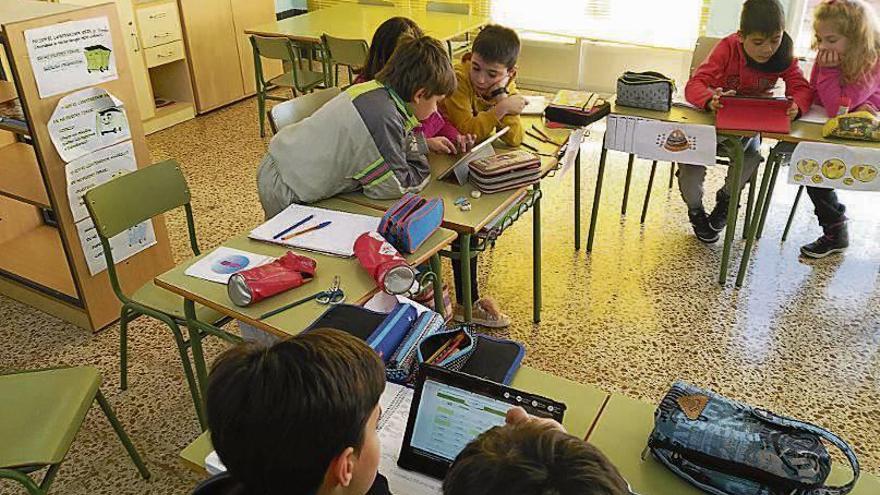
[97, 58]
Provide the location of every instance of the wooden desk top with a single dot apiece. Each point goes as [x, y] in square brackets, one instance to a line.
[622, 431]
[355, 281]
[488, 206]
[355, 21]
[584, 406]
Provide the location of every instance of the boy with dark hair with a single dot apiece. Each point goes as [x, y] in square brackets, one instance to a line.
[530, 456]
[298, 417]
[362, 139]
[748, 63]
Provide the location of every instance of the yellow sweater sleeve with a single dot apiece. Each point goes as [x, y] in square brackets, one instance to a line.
[460, 110]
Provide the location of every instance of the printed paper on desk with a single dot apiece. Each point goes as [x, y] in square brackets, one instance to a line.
[95, 169]
[224, 262]
[835, 166]
[535, 105]
[674, 142]
[620, 132]
[85, 121]
[335, 239]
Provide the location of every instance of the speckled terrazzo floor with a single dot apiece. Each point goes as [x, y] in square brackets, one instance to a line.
[800, 338]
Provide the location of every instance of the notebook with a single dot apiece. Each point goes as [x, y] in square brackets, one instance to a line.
[336, 239]
[535, 105]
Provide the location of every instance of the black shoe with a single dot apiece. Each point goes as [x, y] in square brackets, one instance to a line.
[701, 227]
[834, 240]
[718, 218]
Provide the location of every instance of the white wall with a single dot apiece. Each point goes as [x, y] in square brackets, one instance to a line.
[283, 5]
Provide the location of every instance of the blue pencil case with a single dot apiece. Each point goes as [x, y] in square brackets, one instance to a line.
[410, 221]
[381, 331]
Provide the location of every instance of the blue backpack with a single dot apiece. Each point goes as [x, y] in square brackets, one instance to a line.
[724, 447]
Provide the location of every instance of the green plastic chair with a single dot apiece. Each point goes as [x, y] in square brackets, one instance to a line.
[40, 415]
[456, 45]
[347, 52]
[125, 202]
[301, 77]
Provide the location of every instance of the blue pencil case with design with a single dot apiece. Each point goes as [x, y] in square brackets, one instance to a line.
[410, 221]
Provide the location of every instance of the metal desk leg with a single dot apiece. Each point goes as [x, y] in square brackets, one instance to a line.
[750, 205]
[797, 199]
[671, 173]
[648, 191]
[195, 341]
[465, 260]
[577, 201]
[735, 152]
[629, 173]
[536, 254]
[594, 216]
[777, 164]
[439, 306]
[752, 227]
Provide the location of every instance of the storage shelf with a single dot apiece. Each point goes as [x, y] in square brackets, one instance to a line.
[20, 176]
[37, 258]
[7, 91]
[170, 115]
[17, 128]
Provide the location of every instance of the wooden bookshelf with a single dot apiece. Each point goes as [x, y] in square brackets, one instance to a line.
[51, 272]
[7, 91]
[20, 176]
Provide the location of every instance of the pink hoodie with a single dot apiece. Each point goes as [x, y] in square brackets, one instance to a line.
[828, 89]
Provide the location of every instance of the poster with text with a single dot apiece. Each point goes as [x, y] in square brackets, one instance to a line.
[71, 55]
[95, 169]
[673, 142]
[124, 245]
[86, 121]
[835, 166]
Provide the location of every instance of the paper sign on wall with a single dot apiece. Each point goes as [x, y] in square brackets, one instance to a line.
[71, 55]
[95, 169]
[124, 245]
[835, 166]
[674, 142]
[85, 121]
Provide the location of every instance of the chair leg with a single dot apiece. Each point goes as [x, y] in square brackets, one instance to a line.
[22, 478]
[750, 205]
[123, 347]
[120, 432]
[629, 173]
[766, 206]
[648, 191]
[336, 75]
[188, 371]
[261, 108]
[49, 478]
[671, 173]
[797, 199]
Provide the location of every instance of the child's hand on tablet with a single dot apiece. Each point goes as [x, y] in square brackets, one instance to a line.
[715, 103]
[516, 415]
[440, 144]
[792, 111]
[466, 142]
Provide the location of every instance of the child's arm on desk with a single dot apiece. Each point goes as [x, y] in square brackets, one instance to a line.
[798, 89]
[709, 76]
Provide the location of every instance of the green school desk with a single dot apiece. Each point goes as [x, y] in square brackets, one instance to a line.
[354, 21]
[486, 209]
[621, 433]
[355, 282]
[584, 403]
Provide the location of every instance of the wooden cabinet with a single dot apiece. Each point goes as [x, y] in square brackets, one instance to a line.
[220, 54]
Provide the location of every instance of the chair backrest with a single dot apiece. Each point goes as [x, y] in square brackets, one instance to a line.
[273, 47]
[704, 46]
[346, 51]
[383, 3]
[292, 111]
[448, 7]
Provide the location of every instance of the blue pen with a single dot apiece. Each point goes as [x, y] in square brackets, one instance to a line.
[297, 224]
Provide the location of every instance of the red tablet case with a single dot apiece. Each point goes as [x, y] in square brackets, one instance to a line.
[739, 113]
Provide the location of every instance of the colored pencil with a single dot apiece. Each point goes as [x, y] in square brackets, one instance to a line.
[439, 351]
[449, 348]
[306, 231]
[297, 224]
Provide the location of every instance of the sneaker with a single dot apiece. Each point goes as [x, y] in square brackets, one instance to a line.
[718, 218]
[701, 227]
[834, 240]
[485, 313]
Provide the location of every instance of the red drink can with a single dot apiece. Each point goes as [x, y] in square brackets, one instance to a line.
[384, 263]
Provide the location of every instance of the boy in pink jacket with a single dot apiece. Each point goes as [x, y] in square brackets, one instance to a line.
[846, 75]
[747, 63]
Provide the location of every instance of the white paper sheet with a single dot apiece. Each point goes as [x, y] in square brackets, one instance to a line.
[535, 105]
[71, 55]
[620, 132]
[674, 142]
[335, 239]
[86, 121]
[223, 262]
[124, 245]
[835, 166]
[575, 139]
[816, 115]
[95, 169]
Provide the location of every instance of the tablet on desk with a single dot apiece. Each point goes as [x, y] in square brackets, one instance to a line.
[481, 150]
[754, 113]
[449, 409]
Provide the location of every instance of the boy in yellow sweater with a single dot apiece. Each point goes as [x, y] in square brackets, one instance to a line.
[485, 99]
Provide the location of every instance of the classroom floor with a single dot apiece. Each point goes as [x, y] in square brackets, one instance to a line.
[800, 338]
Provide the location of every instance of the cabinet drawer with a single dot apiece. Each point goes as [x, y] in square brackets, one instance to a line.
[163, 54]
[159, 24]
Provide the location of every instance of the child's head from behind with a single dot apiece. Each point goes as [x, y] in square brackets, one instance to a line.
[301, 413]
[532, 458]
[494, 56]
[385, 40]
[761, 28]
[850, 29]
[420, 72]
